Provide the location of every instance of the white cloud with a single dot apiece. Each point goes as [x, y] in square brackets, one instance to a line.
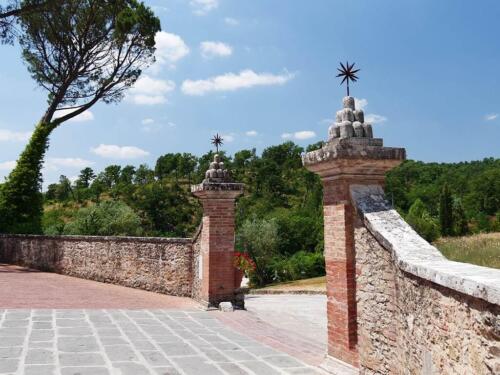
[147, 121]
[301, 135]
[231, 21]
[211, 49]
[305, 134]
[68, 162]
[170, 48]
[251, 133]
[9, 135]
[7, 165]
[82, 117]
[119, 152]
[231, 82]
[228, 137]
[150, 91]
[360, 103]
[202, 7]
[491, 116]
[372, 118]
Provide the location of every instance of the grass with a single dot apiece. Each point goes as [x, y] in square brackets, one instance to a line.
[315, 284]
[480, 249]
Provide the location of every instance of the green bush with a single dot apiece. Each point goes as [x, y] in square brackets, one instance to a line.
[109, 218]
[423, 223]
[301, 265]
[53, 222]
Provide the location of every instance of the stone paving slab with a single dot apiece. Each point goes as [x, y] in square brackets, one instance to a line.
[133, 342]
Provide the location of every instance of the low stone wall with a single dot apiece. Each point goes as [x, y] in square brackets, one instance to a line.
[163, 265]
[417, 312]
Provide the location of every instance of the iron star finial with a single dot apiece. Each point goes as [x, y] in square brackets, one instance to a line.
[217, 141]
[348, 73]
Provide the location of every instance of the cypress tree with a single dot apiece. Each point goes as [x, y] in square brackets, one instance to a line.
[446, 211]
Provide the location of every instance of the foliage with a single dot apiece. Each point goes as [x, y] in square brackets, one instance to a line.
[446, 211]
[21, 202]
[480, 249]
[259, 237]
[301, 265]
[105, 219]
[80, 52]
[419, 218]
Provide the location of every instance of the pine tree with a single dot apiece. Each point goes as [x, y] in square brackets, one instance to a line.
[446, 211]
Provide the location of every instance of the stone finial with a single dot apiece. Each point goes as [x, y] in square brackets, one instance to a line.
[349, 122]
[217, 171]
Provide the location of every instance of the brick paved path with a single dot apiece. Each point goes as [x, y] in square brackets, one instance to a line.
[25, 288]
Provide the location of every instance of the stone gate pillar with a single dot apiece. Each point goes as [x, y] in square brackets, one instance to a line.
[217, 194]
[350, 157]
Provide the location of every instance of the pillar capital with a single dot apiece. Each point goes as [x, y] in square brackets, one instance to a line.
[354, 158]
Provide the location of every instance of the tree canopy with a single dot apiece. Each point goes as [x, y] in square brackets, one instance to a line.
[80, 52]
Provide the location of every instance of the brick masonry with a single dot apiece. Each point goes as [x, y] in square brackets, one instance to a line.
[161, 265]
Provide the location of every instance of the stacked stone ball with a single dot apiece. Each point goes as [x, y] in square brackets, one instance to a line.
[350, 122]
[217, 172]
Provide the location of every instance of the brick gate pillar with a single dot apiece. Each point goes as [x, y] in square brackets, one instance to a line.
[217, 194]
[350, 157]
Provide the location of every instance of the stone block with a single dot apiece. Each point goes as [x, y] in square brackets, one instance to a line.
[347, 115]
[348, 102]
[346, 129]
[226, 307]
[358, 129]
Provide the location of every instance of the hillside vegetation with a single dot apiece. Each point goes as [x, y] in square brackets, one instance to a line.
[279, 219]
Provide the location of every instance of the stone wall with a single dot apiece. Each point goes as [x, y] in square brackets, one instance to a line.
[163, 265]
[418, 313]
[197, 266]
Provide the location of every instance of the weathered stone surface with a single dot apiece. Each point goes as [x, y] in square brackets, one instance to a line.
[411, 320]
[415, 255]
[226, 307]
[156, 264]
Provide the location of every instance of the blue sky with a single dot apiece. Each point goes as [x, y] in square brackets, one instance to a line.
[262, 71]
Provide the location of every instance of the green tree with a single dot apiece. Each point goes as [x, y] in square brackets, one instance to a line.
[143, 175]
[10, 12]
[85, 177]
[459, 218]
[81, 52]
[446, 211]
[259, 237]
[420, 219]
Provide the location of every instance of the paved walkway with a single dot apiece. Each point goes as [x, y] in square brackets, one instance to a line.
[25, 288]
[132, 342]
[125, 331]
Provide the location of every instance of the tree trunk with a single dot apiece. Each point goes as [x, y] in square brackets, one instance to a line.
[21, 201]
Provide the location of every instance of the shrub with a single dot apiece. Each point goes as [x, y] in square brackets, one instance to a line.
[420, 219]
[109, 218]
[301, 265]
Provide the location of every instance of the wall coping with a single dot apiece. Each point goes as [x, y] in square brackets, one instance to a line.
[99, 238]
[415, 255]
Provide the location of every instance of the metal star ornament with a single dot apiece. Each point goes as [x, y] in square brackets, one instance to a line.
[217, 141]
[349, 73]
